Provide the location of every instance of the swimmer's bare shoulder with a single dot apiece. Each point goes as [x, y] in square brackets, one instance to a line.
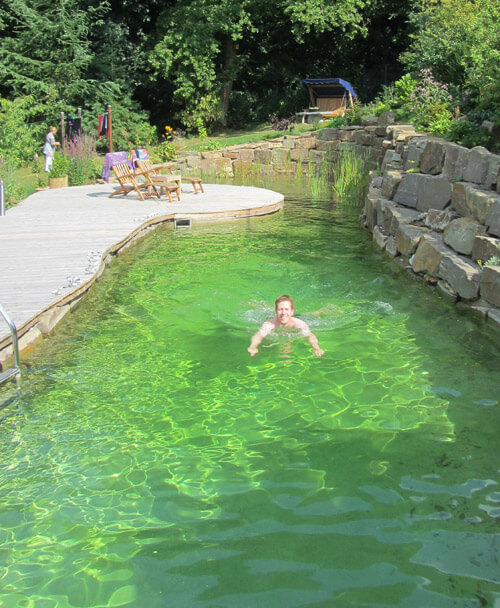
[301, 325]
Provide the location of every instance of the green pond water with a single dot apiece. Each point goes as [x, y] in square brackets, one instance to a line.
[150, 461]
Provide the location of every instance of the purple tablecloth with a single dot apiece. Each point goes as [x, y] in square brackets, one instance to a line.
[113, 158]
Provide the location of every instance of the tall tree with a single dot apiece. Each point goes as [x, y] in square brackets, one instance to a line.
[459, 40]
[203, 45]
[45, 49]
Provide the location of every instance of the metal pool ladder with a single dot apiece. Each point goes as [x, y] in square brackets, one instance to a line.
[15, 370]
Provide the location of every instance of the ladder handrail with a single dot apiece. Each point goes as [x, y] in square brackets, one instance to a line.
[13, 331]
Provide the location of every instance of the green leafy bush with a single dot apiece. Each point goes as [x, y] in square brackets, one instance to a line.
[131, 127]
[210, 144]
[354, 114]
[60, 165]
[20, 140]
[13, 192]
[165, 151]
[338, 121]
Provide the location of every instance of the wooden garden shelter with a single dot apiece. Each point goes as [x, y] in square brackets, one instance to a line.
[329, 97]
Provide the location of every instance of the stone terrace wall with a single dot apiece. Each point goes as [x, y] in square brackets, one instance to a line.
[287, 153]
[432, 205]
[280, 155]
[436, 207]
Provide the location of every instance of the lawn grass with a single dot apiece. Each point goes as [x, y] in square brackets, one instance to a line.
[236, 138]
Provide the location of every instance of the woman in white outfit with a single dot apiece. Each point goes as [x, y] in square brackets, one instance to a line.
[49, 148]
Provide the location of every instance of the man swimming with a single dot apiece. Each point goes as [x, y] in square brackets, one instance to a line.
[284, 318]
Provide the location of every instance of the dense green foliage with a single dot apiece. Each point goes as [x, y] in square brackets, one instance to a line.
[202, 64]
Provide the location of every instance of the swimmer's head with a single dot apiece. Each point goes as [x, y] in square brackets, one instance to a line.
[283, 299]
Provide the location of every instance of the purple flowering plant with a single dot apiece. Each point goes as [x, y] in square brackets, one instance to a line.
[281, 124]
[428, 91]
[81, 152]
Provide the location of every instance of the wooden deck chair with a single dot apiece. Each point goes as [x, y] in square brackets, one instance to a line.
[142, 155]
[170, 183]
[128, 183]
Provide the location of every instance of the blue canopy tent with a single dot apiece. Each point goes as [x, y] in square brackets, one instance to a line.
[329, 94]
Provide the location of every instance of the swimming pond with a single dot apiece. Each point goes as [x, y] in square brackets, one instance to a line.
[150, 461]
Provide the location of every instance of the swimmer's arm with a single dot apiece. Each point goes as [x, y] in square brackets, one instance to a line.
[313, 341]
[310, 337]
[257, 338]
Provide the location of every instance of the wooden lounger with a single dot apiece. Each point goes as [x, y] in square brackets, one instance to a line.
[128, 183]
[171, 184]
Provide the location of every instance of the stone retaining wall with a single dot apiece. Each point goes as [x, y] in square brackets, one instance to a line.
[435, 206]
[280, 155]
[289, 153]
[432, 205]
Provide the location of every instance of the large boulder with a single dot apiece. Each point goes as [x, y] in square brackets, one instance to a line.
[455, 161]
[478, 165]
[460, 234]
[384, 215]
[379, 237]
[462, 274]
[390, 246]
[472, 200]
[265, 157]
[430, 251]
[329, 134]
[413, 153]
[395, 216]
[437, 220]
[493, 172]
[386, 118]
[390, 183]
[370, 211]
[432, 159]
[484, 248]
[306, 142]
[408, 237]
[423, 192]
[489, 284]
[401, 133]
[391, 160]
[493, 219]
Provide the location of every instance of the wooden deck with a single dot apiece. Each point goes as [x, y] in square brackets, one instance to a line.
[56, 242]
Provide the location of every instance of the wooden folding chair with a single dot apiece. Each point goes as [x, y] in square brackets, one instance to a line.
[170, 183]
[128, 183]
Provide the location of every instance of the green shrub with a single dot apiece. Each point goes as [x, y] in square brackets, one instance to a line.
[60, 165]
[13, 192]
[210, 144]
[20, 140]
[338, 121]
[354, 114]
[131, 127]
[404, 87]
[493, 261]
[165, 151]
[435, 118]
[469, 134]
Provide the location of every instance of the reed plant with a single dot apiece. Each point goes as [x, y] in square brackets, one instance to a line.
[350, 176]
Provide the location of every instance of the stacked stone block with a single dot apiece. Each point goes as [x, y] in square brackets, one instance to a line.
[436, 208]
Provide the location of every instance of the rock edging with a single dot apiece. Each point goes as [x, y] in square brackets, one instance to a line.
[435, 206]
